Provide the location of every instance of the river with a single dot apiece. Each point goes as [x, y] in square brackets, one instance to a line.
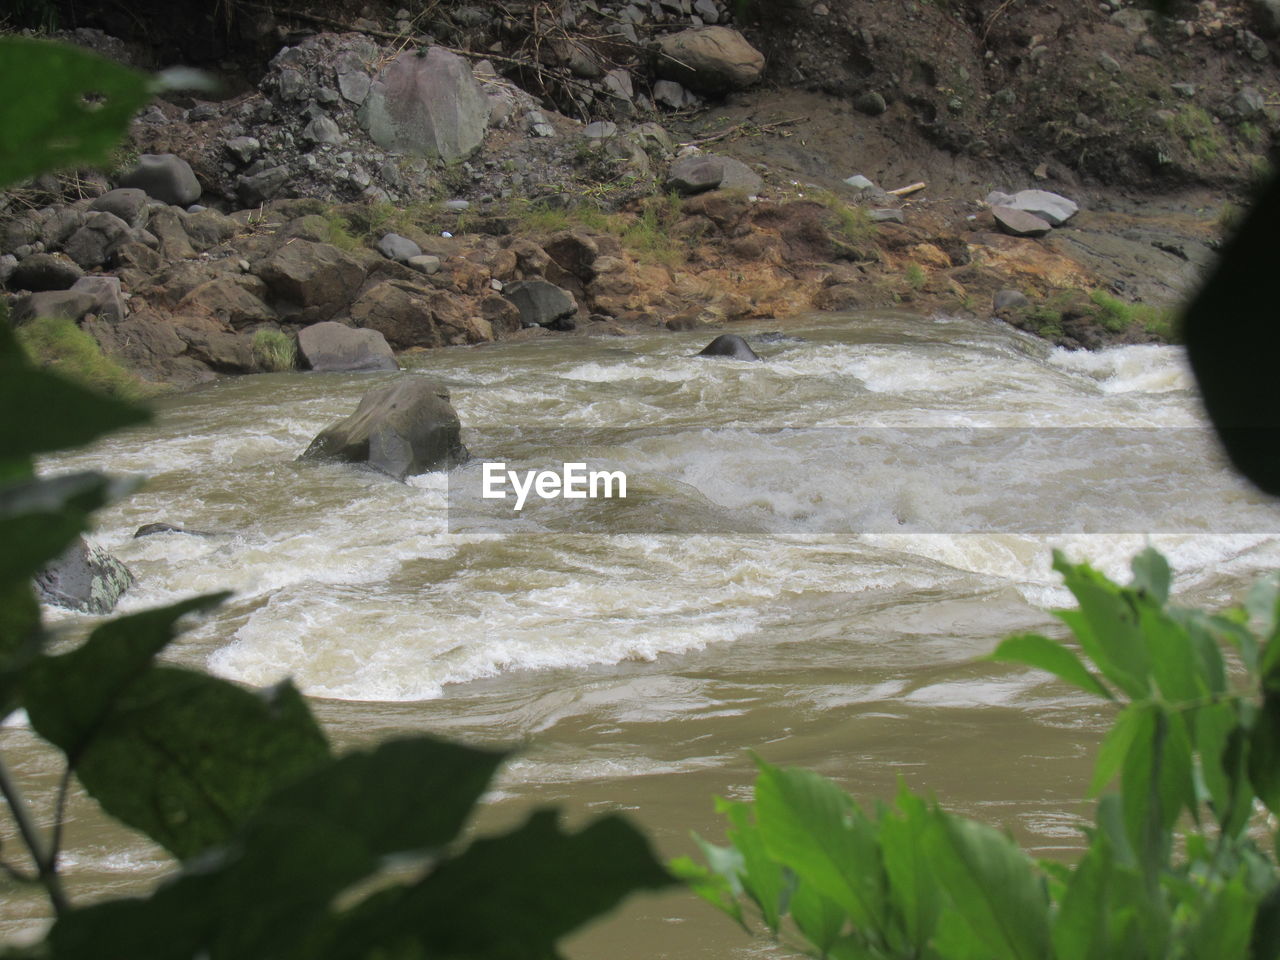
[636, 669]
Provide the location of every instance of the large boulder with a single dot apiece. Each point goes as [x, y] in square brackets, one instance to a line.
[409, 315]
[542, 304]
[97, 241]
[228, 300]
[127, 203]
[165, 177]
[709, 59]
[331, 346]
[108, 298]
[1020, 223]
[401, 428]
[701, 172]
[428, 105]
[317, 277]
[63, 304]
[84, 578]
[1053, 208]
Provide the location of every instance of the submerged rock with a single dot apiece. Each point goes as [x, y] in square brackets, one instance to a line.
[401, 428]
[729, 345]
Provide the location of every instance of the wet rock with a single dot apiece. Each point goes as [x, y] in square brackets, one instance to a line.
[403, 428]
[1009, 300]
[541, 304]
[166, 177]
[700, 172]
[729, 345]
[501, 314]
[45, 271]
[127, 203]
[150, 529]
[108, 301]
[398, 248]
[709, 60]
[315, 276]
[1019, 223]
[333, 346]
[428, 105]
[85, 578]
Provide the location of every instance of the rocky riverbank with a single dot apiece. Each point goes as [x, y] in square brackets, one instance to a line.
[651, 166]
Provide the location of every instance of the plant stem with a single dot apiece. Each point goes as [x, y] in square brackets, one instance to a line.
[46, 870]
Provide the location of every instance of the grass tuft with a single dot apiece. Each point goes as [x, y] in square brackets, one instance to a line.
[58, 344]
[274, 351]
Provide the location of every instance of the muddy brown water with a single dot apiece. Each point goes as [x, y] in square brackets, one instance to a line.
[634, 671]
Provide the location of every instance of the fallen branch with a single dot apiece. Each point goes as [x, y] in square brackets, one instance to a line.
[739, 128]
[907, 190]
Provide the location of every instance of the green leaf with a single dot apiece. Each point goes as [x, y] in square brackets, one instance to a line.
[44, 412]
[762, 877]
[1151, 575]
[1045, 654]
[74, 108]
[1156, 785]
[20, 638]
[710, 886]
[819, 918]
[507, 897]
[816, 830]
[186, 758]
[1100, 914]
[1175, 665]
[993, 886]
[40, 518]
[68, 697]
[1264, 751]
[1264, 939]
[1106, 626]
[1263, 602]
[1222, 922]
[913, 885]
[1115, 746]
[1220, 739]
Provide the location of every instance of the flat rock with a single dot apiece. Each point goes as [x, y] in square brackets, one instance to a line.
[331, 346]
[701, 172]
[45, 271]
[428, 105]
[1051, 207]
[1019, 223]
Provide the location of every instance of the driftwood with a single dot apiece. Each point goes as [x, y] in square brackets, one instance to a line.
[745, 128]
[907, 190]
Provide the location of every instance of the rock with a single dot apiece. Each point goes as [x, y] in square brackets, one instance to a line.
[1009, 300]
[1109, 63]
[541, 304]
[227, 301]
[1187, 90]
[256, 189]
[859, 182]
[45, 271]
[108, 301]
[166, 177]
[699, 172]
[1248, 103]
[8, 264]
[425, 263]
[709, 59]
[1267, 16]
[412, 316]
[243, 149]
[127, 203]
[170, 228]
[210, 342]
[322, 130]
[1020, 223]
[331, 346]
[617, 83]
[354, 86]
[670, 94]
[398, 248]
[457, 206]
[600, 130]
[402, 428]
[887, 215]
[729, 345]
[64, 304]
[97, 241]
[208, 228]
[1047, 206]
[84, 578]
[707, 10]
[501, 314]
[428, 105]
[871, 103]
[573, 253]
[310, 275]
[150, 529]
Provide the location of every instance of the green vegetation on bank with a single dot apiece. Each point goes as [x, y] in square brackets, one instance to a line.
[1179, 863]
[275, 351]
[1051, 317]
[58, 344]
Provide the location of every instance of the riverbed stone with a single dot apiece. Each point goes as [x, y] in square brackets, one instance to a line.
[430, 105]
[314, 276]
[1051, 207]
[700, 172]
[84, 578]
[331, 346]
[108, 299]
[402, 428]
[709, 59]
[127, 203]
[541, 304]
[45, 271]
[166, 177]
[62, 304]
[398, 248]
[97, 241]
